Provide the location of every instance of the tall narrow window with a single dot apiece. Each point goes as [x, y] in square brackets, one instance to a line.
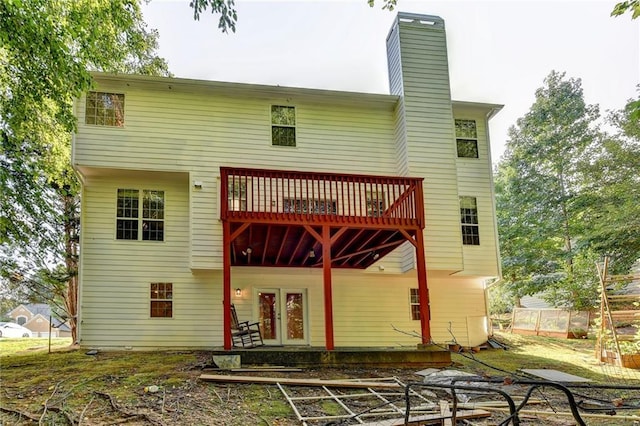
[153, 215]
[131, 224]
[283, 125]
[161, 300]
[127, 214]
[414, 303]
[469, 220]
[104, 109]
[467, 138]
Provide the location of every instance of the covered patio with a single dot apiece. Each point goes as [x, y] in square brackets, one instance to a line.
[299, 219]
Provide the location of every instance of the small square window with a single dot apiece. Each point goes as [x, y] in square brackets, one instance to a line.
[283, 125]
[466, 138]
[104, 109]
[161, 300]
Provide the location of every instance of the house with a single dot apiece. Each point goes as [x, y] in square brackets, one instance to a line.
[335, 219]
[38, 318]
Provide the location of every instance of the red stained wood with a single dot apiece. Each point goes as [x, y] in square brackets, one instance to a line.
[278, 218]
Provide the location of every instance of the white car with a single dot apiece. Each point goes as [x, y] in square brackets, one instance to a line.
[11, 329]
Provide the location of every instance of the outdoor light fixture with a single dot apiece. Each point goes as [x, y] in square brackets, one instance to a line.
[197, 184]
[312, 254]
[375, 255]
[247, 251]
[238, 292]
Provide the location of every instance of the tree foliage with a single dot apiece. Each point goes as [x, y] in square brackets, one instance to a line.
[632, 6]
[47, 52]
[228, 16]
[567, 195]
[224, 8]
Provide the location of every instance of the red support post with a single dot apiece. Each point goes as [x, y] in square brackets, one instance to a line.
[328, 296]
[226, 283]
[423, 289]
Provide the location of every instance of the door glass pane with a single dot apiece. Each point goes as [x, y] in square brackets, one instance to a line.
[295, 316]
[267, 315]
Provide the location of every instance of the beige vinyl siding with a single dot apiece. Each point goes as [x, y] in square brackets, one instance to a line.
[405, 253]
[425, 134]
[475, 179]
[199, 132]
[116, 274]
[458, 304]
[365, 306]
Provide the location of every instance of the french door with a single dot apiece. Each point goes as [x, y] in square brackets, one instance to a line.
[282, 314]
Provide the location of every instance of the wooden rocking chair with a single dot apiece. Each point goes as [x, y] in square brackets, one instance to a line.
[245, 334]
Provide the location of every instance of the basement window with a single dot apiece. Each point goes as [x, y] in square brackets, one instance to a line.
[283, 125]
[104, 109]
[414, 304]
[469, 221]
[466, 139]
[161, 300]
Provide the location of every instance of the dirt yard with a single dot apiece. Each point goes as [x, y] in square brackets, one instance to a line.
[70, 387]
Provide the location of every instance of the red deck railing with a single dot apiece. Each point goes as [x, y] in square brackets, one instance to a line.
[309, 197]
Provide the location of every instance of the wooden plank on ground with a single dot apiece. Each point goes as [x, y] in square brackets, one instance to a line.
[298, 382]
[445, 412]
[266, 370]
[554, 375]
[418, 420]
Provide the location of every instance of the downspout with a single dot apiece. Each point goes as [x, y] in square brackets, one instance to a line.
[499, 279]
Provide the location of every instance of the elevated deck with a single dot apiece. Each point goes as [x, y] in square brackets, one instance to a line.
[309, 219]
[274, 214]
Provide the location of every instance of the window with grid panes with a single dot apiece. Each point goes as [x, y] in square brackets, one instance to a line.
[297, 205]
[469, 220]
[133, 223]
[161, 300]
[375, 203]
[466, 138]
[283, 125]
[237, 194]
[104, 109]
[414, 304]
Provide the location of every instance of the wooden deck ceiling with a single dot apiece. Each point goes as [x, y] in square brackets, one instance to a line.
[276, 217]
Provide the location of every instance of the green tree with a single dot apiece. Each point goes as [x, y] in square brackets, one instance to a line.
[537, 184]
[610, 193]
[47, 50]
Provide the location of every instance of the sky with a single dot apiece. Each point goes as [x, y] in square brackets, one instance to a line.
[499, 51]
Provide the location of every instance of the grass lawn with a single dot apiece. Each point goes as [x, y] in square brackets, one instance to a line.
[573, 356]
[11, 347]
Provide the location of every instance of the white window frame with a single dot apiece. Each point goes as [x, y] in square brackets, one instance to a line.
[414, 302]
[161, 299]
[141, 220]
[467, 222]
[101, 114]
[284, 125]
[466, 137]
